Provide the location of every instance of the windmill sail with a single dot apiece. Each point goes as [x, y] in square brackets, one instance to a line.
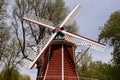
[83, 41]
[33, 51]
[73, 16]
[81, 54]
[26, 62]
[38, 20]
[45, 45]
[70, 18]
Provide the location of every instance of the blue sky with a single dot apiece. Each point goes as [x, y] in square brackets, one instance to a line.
[93, 14]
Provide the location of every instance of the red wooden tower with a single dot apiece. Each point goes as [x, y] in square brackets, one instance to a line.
[59, 61]
[58, 52]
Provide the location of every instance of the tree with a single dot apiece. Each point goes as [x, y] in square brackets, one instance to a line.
[4, 37]
[110, 33]
[99, 70]
[12, 59]
[15, 75]
[3, 29]
[83, 66]
[25, 77]
[2, 10]
[87, 69]
[105, 71]
[9, 52]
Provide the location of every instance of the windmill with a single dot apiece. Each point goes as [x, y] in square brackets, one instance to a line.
[58, 50]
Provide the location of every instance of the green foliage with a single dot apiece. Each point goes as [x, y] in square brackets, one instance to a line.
[56, 10]
[100, 71]
[72, 28]
[111, 34]
[1, 76]
[25, 77]
[111, 31]
[89, 70]
[13, 75]
[83, 65]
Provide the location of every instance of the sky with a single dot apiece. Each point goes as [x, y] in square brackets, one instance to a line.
[93, 14]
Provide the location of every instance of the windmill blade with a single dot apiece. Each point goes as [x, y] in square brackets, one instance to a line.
[82, 54]
[73, 16]
[44, 48]
[80, 40]
[34, 51]
[38, 21]
[26, 63]
[70, 18]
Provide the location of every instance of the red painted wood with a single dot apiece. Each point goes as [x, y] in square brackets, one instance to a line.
[44, 65]
[54, 71]
[55, 64]
[69, 65]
